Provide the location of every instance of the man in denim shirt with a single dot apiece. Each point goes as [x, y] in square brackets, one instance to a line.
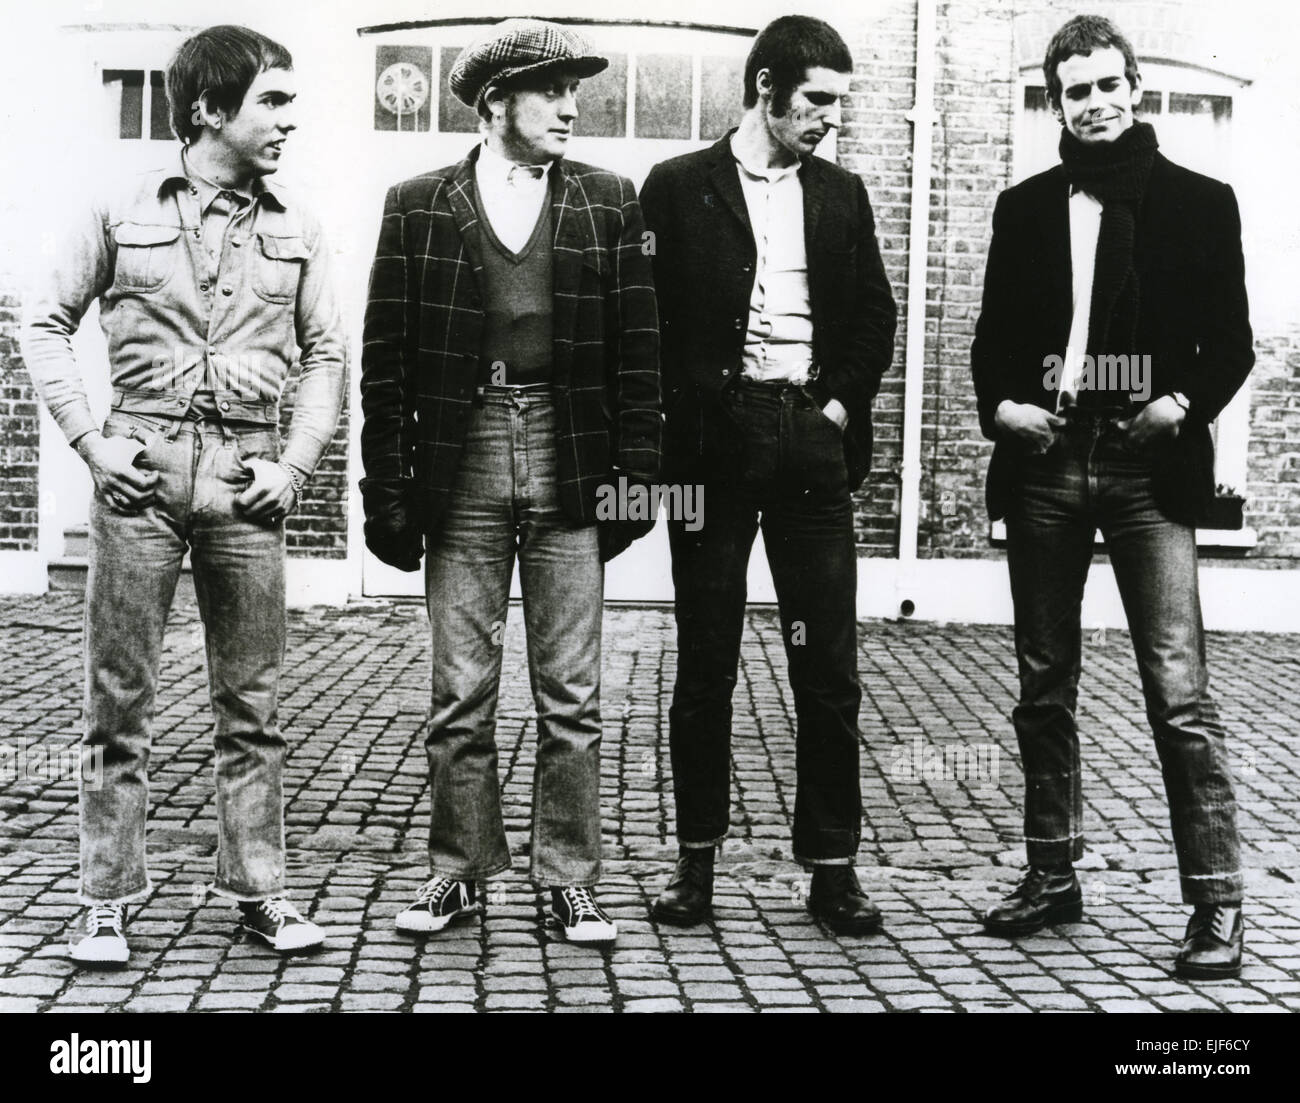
[211, 283]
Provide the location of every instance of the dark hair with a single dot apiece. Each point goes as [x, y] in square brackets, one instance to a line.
[787, 48]
[223, 62]
[1082, 35]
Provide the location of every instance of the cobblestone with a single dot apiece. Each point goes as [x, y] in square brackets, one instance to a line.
[936, 852]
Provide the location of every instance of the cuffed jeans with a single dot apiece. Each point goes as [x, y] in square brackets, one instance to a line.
[505, 503]
[1088, 480]
[135, 562]
[792, 474]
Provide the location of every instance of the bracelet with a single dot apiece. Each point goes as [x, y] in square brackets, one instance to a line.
[295, 480]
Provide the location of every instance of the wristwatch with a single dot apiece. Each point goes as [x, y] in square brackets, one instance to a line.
[1181, 399]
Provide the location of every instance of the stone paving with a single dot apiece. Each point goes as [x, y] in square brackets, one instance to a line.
[941, 794]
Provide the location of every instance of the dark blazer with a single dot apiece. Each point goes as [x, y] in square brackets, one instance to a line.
[704, 270]
[1192, 317]
[423, 334]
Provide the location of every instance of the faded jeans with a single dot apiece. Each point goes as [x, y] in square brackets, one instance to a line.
[505, 504]
[135, 562]
[1090, 479]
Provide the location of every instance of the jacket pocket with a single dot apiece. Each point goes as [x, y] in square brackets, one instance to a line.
[278, 267]
[146, 256]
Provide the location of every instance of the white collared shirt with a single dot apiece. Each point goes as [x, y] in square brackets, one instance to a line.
[1085, 226]
[778, 339]
[511, 205]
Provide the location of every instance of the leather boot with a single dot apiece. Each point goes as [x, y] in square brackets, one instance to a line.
[1212, 945]
[837, 900]
[1044, 897]
[688, 898]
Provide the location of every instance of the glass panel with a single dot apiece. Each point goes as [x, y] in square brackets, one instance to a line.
[1180, 103]
[160, 123]
[126, 86]
[602, 102]
[453, 116]
[403, 88]
[721, 94]
[663, 96]
[1150, 104]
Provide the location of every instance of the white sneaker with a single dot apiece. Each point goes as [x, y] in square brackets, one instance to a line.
[438, 903]
[97, 939]
[278, 923]
[580, 917]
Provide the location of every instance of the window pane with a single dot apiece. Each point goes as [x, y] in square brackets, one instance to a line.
[453, 116]
[721, 92]
[126, 87]
[663, 96]
[1220, 107]
[602, 102]
[160, 123]
[1150, 104]
[403, 87]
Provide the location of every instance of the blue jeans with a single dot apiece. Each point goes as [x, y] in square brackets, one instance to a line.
[1088, 480]
[135, 562]
[504, 503]
[790, 470]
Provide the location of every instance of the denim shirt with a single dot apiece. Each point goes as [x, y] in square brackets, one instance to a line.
[172, 329]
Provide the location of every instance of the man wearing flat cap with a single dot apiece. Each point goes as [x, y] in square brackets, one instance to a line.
[510, 371]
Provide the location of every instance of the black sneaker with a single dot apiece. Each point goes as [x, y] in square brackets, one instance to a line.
[277, 923]
[98, 938]
[438, 903]
[580, 917]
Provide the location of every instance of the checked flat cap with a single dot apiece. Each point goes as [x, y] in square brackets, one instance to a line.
[517, 46]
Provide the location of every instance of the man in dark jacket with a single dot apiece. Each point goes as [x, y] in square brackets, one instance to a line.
[777, 324]
[509, 381]
[1114, 330]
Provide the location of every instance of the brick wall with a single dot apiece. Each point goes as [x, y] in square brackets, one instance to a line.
[1273, 459]
[19, 436]
[876, 143]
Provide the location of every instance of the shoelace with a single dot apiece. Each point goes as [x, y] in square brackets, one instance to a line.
[281, 910]
[1218, 922]
[583, 905]
[432, 892]
[105, 915]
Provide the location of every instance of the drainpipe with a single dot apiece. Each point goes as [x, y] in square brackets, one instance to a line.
[922, 117]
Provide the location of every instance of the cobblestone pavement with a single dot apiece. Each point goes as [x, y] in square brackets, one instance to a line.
[942, 833]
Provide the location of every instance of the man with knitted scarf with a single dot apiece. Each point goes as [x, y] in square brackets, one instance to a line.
[1114, 329]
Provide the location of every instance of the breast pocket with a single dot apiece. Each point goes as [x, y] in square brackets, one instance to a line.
[146, 256]
[278, 268]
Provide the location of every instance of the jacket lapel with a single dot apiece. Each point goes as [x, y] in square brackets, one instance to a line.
[1058, 279]
[725, 178]
[574, 240]
[461, 197]
[814, 190]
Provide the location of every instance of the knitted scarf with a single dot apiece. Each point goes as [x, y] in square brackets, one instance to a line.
[1116, 174]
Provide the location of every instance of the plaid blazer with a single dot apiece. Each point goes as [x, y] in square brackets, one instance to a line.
[423, 334]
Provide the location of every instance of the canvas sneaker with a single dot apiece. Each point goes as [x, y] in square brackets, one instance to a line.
[439, 902]
[580, 917]
[278, 923]
[98, 937]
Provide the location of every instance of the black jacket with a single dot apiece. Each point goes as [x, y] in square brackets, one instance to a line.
[1192, 317]
[704, 256]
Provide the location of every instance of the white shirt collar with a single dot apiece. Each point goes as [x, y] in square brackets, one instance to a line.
[495, 169]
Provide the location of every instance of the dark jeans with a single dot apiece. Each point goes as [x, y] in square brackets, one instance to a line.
[1090, 479]
[792, 480]
[135, 562]
[505, 504]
